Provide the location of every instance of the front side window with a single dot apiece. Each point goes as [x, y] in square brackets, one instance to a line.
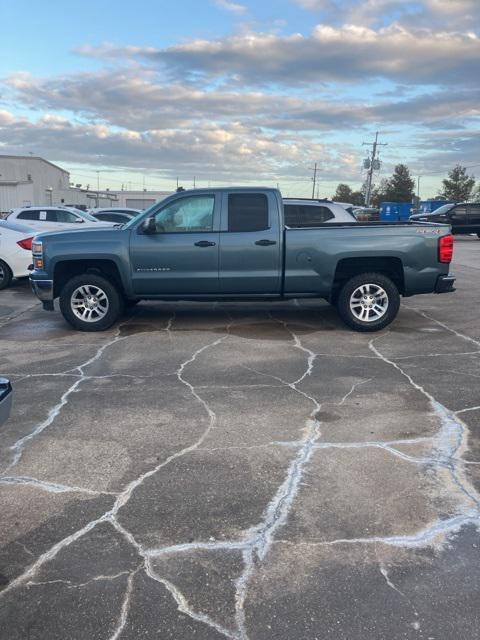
[186, 215]
[61, 216]
[28, 215]
[247, 212]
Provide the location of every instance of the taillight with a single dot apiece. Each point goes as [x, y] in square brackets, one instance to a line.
[445, 249]
[26, 243]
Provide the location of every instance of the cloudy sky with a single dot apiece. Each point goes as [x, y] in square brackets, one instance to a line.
[243, 92]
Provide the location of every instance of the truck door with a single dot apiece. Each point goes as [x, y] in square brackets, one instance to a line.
[181, 256]
[473, 218]
[457, 216]
[250, 243]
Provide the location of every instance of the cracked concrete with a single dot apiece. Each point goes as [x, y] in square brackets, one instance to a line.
[242, 471]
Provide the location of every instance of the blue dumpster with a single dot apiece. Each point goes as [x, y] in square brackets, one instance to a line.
[395, 211]
[429, 206]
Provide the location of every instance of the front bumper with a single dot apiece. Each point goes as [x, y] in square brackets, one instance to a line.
[445, 284]
[5, 399]
[43, 289]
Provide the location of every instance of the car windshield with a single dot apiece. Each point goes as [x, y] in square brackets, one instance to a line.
[442, 209]
[84, 214]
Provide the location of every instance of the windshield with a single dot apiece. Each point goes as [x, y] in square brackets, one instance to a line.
[84, 214]
[442, 209]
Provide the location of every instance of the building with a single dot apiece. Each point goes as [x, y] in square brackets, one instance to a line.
[137, 199]
[31, 180]
[26, 180]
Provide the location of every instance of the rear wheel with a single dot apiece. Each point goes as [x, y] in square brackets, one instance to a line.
[6, 275]
[368, 302]
[90, 302]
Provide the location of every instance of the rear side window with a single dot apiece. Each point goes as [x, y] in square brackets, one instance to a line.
[247, 212]
[300, 215]
[28, 215]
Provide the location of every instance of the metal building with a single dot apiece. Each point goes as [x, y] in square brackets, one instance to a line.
[26, 180]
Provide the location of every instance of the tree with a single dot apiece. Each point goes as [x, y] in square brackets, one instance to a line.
[458, 186]
[400, 187]
[344, 193]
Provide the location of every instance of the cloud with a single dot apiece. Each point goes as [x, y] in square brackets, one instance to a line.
[232, 153]
[414, 13]
[329, 54]
[233, 7]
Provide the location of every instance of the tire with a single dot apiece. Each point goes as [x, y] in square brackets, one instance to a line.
[378, 302]
[90, 288]
[6, 275]
[478, 236]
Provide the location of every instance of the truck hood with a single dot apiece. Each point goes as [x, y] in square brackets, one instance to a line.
[91, 234]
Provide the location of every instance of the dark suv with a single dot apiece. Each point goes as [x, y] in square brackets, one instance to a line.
[463, 217]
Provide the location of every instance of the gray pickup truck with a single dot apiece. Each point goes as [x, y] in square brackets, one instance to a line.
[233, 244]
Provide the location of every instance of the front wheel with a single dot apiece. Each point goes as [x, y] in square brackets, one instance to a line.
[5, 275]
[368, 302]
[90, 302]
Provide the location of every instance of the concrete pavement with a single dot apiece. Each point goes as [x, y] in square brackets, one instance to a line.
[243, 471]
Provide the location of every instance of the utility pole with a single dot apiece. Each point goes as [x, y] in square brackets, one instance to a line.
[373, 164]
[194, 184]
[314, 180]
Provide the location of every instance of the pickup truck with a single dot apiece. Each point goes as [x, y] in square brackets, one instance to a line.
[463, 217]
[233, 244]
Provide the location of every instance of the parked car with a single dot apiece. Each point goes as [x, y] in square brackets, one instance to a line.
[114, 215]
[15, 252]
[302, 212]
[5, 400]
[127, 210]
[54, 218]
[234, 244]
[366, 213]
[463, 217]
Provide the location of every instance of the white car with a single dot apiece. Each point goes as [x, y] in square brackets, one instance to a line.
[55, 218]
[306, 212]
[15, 252]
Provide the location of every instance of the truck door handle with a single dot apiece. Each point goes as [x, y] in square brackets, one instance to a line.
[204, 243]
[265, 243]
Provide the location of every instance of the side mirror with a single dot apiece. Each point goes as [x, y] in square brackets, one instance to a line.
[79, 220]
[149, 226]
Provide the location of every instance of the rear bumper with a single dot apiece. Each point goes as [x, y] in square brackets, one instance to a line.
[43, 289]
[5, 399]
[445, 284]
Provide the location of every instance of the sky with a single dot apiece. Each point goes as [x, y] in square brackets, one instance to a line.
[225, 92]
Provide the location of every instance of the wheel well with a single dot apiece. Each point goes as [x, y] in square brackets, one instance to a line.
[67, 269]
[349, 267]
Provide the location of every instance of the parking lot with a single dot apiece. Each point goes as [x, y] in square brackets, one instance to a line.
[243, 470]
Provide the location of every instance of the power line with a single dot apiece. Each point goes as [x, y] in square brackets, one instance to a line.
[314, 180]
[375, 144]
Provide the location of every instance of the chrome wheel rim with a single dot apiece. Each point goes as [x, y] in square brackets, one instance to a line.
[89, 303]
[369, 302]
